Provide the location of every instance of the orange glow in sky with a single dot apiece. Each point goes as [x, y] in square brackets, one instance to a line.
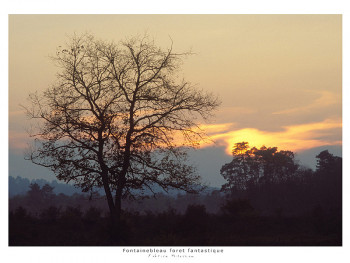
[294, 138]
[279, 76]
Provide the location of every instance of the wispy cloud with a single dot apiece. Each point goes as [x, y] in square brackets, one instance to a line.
[295, 137]
[17, 113]
[18, 141]
[215, 129]
[326, 98]
[235, 111]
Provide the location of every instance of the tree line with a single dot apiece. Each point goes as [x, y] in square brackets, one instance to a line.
[271, 180]
[274, 180]
[303, 208]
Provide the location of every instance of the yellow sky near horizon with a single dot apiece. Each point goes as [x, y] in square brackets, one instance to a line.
[279, 76]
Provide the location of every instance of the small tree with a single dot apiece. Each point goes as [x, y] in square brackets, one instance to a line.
[113, 118]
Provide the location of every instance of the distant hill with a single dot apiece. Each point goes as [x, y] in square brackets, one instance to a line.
[20, 186]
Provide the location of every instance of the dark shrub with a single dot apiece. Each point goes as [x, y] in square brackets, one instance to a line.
[237, 208]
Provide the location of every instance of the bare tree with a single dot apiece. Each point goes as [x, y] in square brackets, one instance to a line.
[114, 117]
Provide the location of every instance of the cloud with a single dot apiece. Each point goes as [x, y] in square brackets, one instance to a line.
[214, 129]
[16, 113]
[233, 111]
[18, 141]
[295, 137]
[326, 98]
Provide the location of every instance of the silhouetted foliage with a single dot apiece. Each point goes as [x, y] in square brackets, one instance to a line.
[21, 213]
[92, 215]
[302, 209]
[35, 193]
[50, 214]
[281, 187]
[47, 192]
[252, 166]
[18, 185]
[237, 208]
[328, 163]
[239, 225]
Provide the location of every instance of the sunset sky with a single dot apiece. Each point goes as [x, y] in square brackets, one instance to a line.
[279, 77]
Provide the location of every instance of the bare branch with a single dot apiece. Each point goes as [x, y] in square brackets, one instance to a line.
[114, 116]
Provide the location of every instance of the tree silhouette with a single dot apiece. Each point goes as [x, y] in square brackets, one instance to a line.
[47, 192]
[275, 166]
[241, 170]
[114, 117]
[35, 193]
[329, 175]
[252, 166]
[328, 163]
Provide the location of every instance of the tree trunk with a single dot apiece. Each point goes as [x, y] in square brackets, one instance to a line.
[118, 203]
[114, 212]
[115, 219]
[112, 209]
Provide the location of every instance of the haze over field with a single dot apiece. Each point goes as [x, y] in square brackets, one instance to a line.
[278, 76]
